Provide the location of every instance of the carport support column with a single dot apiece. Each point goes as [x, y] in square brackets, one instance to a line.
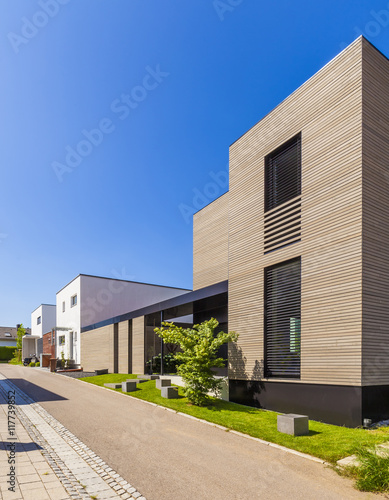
[161, 345]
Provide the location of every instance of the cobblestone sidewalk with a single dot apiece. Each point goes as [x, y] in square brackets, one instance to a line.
[50, 462]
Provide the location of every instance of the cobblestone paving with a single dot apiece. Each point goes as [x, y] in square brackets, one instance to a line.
[82, 473]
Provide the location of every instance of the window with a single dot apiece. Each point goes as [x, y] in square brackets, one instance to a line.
[283, 319]
[75, 337]
[61, 340]
[7, 334]
[283, 173]
[39, 320]
[73, 301]
[63, 307]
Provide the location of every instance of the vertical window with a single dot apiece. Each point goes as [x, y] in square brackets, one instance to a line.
[283, 173]
[63, 307]
[39, 320]
[283, 319]
[73, 301]
[61, 340]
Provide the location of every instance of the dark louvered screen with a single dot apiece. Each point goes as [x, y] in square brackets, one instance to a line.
[283, 319]
[283, 173]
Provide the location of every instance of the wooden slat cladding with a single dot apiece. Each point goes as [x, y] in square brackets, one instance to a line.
[375, 316]
[138, 346]
[327, 111]
[97, 349]
[210, 244]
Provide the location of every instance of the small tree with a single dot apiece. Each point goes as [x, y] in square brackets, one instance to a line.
[198, 357]
[20, 334]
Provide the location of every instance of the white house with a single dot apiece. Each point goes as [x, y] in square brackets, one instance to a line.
[42, 321]
[88, 300]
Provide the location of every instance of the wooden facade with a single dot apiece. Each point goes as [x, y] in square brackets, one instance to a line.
[97, 347]
[125, 347]
[375, 200]
[327, 111]
[210, 244]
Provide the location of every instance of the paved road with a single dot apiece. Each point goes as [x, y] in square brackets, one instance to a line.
[170, 457]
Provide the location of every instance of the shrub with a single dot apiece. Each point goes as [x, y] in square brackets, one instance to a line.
[373, 472]
[38, 363]
[199, 347]
[7, 352]
[32, 363]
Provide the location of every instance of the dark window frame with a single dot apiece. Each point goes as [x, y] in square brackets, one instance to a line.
[278, 188]
[284, 370]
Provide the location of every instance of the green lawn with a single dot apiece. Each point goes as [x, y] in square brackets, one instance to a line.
[328, 442]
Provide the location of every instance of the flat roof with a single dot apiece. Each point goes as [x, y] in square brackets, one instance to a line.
[40, 305]
[186, 298]
[118, 279]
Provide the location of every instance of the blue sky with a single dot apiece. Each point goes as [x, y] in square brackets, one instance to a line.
[117, 116]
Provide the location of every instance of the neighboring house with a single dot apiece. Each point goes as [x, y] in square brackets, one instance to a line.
[8, 336]
[296, 251]
[88, 300]
[43, 319]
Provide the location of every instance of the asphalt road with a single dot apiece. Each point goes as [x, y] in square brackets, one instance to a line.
[169, 457]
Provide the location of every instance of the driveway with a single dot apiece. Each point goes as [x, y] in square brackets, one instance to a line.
[169, 457]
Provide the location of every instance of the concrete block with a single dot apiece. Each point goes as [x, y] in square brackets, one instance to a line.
[295, 425]
[149, 377]
[163, 382]
[113, 386]
[129, 386]
[169, 392]
[101, 372]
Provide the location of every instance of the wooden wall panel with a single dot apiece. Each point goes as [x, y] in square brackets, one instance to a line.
[375, 353]
[138, 345]
[124, 338]
[327, 110]
[97, 349]
[210, 244]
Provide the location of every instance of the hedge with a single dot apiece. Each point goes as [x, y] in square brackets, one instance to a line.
[7, 352]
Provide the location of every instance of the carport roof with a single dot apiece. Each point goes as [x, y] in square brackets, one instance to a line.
[175, 302]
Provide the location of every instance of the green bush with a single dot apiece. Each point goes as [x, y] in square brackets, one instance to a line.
[32, 363]
[7, 352]
[373, 472]
[37, 363]
[198, 358]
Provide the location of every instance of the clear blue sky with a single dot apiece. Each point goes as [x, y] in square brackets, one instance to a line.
[172, 84]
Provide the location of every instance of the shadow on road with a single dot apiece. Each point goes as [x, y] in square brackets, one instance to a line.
[35, 392]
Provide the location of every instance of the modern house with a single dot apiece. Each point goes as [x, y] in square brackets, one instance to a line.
[89, 300]
[294, 257]
[303, 235]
